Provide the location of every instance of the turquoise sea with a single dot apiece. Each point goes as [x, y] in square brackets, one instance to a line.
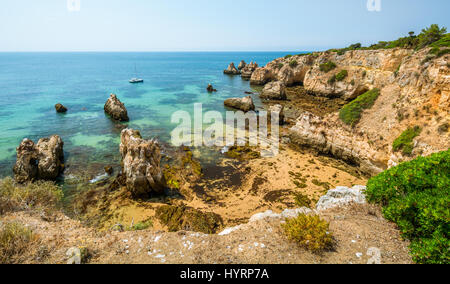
[32, 83]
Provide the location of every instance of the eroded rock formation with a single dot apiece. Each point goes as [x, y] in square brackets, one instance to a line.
[274, 91]
[231, 70]
[41, 161]
[247, 71]
[116, 109]
[242, 65]
[245, 104]
[141, 164]
[277, 110]
[414, 91]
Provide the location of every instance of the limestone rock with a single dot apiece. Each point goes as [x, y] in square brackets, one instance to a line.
[341, 196]
[274, 91]
[247, 71]
[279, 111]
[245, 104]
[50, 157]
[242, 65]
[42, 161]
[141, 164]
[231, 70]
[60, 108]
[116, 109]
[261, 76]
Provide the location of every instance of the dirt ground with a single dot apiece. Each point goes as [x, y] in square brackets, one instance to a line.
[361, 236]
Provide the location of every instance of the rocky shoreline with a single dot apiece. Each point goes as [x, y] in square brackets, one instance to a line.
[386, 92]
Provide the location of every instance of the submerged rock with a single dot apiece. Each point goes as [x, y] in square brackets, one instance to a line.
[60, 108]
[116, 109]
[274, 91]
[231, 70]
[141, 164]
[244, 104]
[210, 88]
[41, 161]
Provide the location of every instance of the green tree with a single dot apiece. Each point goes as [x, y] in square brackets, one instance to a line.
[430, 35]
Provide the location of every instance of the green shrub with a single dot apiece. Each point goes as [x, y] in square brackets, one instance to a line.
[302, 200]
[309, 232]
[142, 225]
[351, 113]
[443, 42]
[15, 241]
[341, 75]
[405, 141]
[431, 35]
[288, 56]
[280, 65]
[416, 196]
[38, 194]
[293, 63]
[327, 66]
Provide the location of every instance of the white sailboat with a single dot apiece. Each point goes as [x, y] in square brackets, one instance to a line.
[136, 79]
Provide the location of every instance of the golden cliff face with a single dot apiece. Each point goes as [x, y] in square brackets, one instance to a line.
[414, 91]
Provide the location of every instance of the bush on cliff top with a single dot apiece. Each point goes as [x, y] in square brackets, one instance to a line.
[432, 36]
[405, 140]
[351, 113]
[43, 194]
[416, 196]
[309, 232]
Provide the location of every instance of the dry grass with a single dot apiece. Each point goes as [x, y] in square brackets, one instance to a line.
[41, 194]
[16, 241]
[309, 232]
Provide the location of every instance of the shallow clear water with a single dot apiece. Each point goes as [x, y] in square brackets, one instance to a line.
[32, 83]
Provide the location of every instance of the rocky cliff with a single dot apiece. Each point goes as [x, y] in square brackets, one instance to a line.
[414, 90]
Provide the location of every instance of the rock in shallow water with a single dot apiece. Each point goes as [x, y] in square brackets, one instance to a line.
[60, 108]
[116, 109]
[41, 161]
[141, 164]
[231, 70]
[244, 104]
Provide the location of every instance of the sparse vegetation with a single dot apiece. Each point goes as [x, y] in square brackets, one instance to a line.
[443, 128]
[327, 66]
[178, 218]
[15, 241]
[405, 141]
[293, 63]
[41, 194]
[351, 113]
[142, 225]
[310, 232]
[338, 77]
[288, 56]
[416, 196]
[302, 200]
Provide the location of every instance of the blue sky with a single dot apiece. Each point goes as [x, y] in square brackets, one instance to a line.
[209, 25]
